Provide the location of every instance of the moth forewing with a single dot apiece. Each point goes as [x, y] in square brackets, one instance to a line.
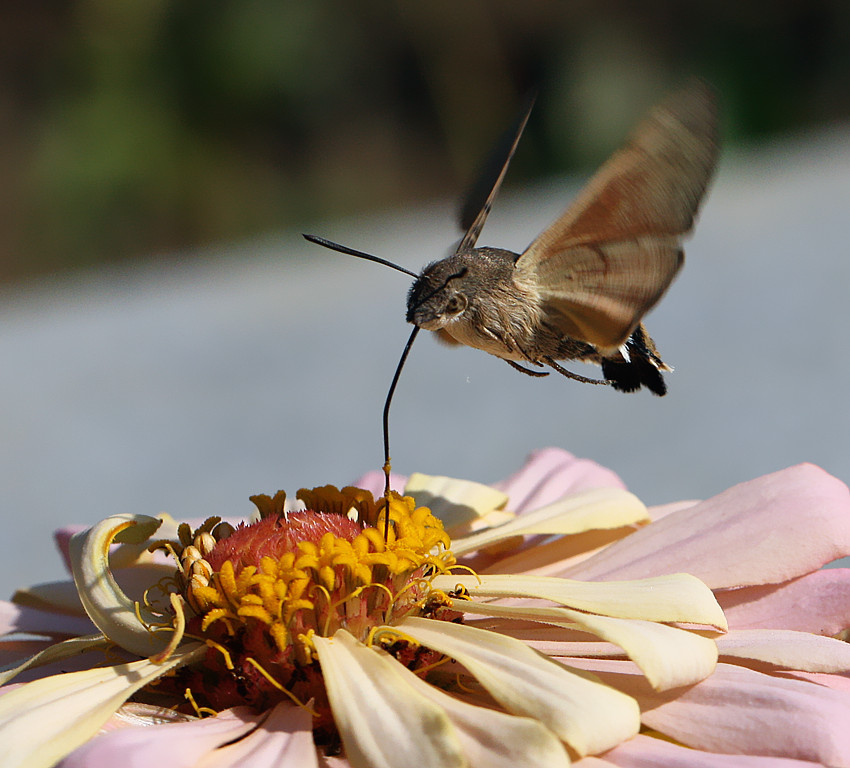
[652, 185]
[600, 292]
[613, 253]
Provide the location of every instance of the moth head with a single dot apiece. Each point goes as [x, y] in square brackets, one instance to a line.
[438, 295]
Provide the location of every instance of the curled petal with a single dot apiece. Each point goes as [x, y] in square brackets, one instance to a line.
[678, 597]
[42, 721]
[106, 604]
[764, 531]
[596, 509]
[786, 648]
[355, 674]
[586, 715]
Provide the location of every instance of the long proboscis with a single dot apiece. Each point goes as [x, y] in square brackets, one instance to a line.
[386, 416]
[359, 254]
[386, 428]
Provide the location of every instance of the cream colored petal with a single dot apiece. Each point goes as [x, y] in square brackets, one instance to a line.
[459, 504]
[587, 715]
[599, 508]
[668, 656]
[56, 652]
[42, 721]
[678, 597]
[786, 648]
[383, 722]
[495, 739]
[109, 608]
[135, 552]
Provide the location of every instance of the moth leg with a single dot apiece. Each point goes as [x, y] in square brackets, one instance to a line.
[576, 377]
[512, 364]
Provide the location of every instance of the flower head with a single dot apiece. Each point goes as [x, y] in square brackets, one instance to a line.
[318, 630]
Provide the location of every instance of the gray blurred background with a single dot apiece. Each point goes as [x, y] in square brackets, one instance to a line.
[169, 342]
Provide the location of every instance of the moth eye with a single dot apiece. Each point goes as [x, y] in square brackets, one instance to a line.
[456, 304]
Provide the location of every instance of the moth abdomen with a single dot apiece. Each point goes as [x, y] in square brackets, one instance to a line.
[639, 367]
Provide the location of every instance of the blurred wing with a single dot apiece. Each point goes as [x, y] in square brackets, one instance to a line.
[599, 292]
[479, 199]
[613, 253]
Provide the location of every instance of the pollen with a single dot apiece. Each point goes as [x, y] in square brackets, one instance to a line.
[261, 591]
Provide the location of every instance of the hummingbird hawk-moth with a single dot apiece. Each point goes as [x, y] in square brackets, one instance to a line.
[581, 288]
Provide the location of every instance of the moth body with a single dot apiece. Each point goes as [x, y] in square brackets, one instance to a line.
[480, 298]
[581, 288]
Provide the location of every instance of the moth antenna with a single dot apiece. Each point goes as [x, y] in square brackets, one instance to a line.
[359, 254]
[386, 427]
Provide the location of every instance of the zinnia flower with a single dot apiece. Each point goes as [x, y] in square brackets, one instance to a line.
[322, 627]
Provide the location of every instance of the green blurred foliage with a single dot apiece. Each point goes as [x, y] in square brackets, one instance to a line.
[140, 127]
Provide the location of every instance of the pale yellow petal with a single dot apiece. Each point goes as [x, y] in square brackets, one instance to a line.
[108, 607]
[383, 722]
[129, 553]
[461, 505]
[495, 739]
[56, 652]
[669, 657]
[43, 721]
[787, 648]
[587, 715]
[679, 597]
[596, 509]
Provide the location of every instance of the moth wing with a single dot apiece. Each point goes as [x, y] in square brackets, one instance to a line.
[609, 258]
[479, 199]
[598, 292]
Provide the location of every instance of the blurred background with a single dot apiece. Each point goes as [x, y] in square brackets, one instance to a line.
[145, 127]
[167, 340]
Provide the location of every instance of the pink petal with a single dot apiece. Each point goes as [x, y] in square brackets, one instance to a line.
[739, 711]
[662, 510]
[176, 745]
[647, 752]
[836, 682]
[818, 603]
[374, 481]
[19, 618]
[284, 739]
[549, 474]
[764, 531]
